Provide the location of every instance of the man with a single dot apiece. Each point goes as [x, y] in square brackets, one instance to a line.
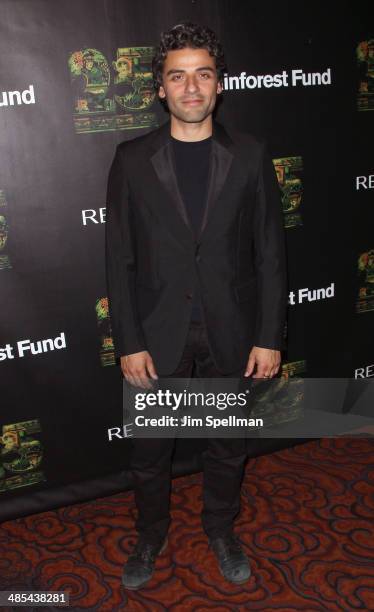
[196, 278]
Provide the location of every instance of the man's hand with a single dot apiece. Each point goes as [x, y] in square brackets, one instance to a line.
[266, 360]
[135, 367]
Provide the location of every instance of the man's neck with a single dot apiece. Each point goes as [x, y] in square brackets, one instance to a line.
[191, 132]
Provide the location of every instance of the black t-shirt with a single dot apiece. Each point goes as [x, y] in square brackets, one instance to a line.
[192, 162]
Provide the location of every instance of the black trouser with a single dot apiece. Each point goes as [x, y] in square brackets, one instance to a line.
[223, 460]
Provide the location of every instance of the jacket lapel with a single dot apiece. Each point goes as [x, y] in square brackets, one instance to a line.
[164, 166]
[221, 160]
[162, 161]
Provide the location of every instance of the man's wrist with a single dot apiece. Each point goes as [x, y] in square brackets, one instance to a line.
[129, 350]
[269, 348]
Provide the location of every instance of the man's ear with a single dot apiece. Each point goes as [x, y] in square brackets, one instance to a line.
[161, 92]
[219, 88]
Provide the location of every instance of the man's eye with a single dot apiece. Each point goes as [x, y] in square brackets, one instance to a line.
[204, 74]
[176, 76]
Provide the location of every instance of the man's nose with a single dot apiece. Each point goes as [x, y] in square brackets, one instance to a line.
[191, 84]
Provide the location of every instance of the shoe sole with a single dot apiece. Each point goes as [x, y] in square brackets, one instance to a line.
[139, 586]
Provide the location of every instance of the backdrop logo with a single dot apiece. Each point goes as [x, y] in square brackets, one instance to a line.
[365, 300]
[295, 78]
[90, 215]
[36, 347]
[293, 368]
[4, 257]
[311, 295]
[12, 98]
[289, 171]
[365, 182]
[365, 371]
[112, 96]
[20, 455]
[106, 340]
[282, 402]
[365, 61]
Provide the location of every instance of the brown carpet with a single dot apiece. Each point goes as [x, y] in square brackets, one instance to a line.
[307, 524]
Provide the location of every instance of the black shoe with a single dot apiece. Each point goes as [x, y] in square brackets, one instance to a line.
[139, 568]
[233, 562]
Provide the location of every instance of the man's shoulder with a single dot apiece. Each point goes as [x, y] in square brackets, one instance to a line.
[245, 139]
[141, 142]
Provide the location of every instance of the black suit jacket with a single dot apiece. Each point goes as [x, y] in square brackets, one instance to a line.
[154, 262]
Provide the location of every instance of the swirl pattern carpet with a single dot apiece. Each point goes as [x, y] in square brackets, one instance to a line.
[307, 524]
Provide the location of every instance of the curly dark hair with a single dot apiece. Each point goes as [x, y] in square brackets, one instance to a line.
[184, 35]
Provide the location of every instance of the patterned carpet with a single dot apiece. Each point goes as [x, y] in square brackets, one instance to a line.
[307, 523]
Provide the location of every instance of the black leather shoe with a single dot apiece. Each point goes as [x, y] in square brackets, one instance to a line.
[139, 567]
[233, 562]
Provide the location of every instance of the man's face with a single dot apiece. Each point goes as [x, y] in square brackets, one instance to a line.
[190, 84]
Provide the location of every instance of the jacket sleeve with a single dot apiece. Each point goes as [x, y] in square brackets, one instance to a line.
[120, 262]
[270, 257]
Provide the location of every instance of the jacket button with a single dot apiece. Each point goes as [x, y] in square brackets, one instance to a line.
[198, 258]
[189, 296]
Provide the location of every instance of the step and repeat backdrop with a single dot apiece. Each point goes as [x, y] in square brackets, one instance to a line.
[75, 81]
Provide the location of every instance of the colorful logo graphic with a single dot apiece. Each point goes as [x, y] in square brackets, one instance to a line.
[106, 340]
[4, 230]
[116, 96]
[289, 170]
[293, 368]
[20, 455]
[365, 60]
[365, 300]
[280, 400]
